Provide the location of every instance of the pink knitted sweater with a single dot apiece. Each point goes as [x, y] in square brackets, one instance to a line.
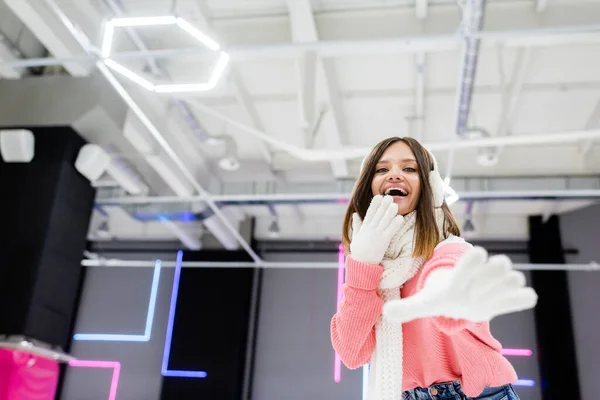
[435, 349]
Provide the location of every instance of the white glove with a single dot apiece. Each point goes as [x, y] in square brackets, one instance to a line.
[476, 289]
[371, 237]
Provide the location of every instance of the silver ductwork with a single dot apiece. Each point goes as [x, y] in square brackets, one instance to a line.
[470, 28]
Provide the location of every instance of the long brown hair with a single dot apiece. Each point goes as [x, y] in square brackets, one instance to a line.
[426, 230]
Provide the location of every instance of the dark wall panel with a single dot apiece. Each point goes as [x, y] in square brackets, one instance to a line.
[211, 329]
[554, 327]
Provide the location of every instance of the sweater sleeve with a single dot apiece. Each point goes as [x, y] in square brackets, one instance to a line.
[353, 326]
[446, 257]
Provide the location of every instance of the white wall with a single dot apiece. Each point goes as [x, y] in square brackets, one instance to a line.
[581, 229]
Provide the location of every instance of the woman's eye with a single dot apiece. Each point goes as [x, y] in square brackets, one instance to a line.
[410, 169]
[381, 170]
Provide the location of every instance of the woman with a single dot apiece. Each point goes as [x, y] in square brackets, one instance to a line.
[418, 298]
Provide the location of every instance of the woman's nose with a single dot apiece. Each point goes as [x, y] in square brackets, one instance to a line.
[395, 174]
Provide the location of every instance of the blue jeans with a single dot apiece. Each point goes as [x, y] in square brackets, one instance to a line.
[453, 391]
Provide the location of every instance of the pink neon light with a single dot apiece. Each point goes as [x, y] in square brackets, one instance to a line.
[115, 365]
[517, 352]
[337, 368]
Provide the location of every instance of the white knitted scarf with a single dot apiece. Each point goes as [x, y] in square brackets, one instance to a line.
[385, 375]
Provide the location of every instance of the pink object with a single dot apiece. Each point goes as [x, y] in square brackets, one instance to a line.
[517, 352]
[25, 376]
[436, 349]
[337, 367]
[115, 365]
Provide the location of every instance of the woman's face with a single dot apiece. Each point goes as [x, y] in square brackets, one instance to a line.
[396, 174]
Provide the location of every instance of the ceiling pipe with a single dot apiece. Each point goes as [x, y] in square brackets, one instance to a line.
[471, 24]
[11, 52]
[419, 117]
[341, 198]
[102, 262]
[274, 230]
[85, 44]
[468, 226]
[510, 103]
[348, 153]
[539, 37]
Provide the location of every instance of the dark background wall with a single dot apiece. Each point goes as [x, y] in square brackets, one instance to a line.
[581, 229]
[294, 358]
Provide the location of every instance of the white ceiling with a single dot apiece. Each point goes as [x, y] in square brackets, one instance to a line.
[339, 74]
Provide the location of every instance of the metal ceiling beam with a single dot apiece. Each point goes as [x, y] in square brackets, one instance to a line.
[304, 30]
[418, 119]
[315, 198]
[244, 98]
[592, 122]
[471, 25]
[541, 5]
[307, 77]
[510, 103]
[418, 42]
[9, 52]
[421, 7]
[198, 13]
[50, 32]
[483, 187]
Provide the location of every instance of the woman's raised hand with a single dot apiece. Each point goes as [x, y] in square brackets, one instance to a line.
[371, 237]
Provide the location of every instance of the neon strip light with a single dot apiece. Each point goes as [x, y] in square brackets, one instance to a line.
[115, 365]
[365, 381]
[517, 352]
[337, 366]
[108, 337]
[525, 382]
[107, 47]
[201, 37]
[167, 349]
[127, 73]
[107, 40]
[143, 21]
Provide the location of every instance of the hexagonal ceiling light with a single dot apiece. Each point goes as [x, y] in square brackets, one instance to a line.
[107, 44]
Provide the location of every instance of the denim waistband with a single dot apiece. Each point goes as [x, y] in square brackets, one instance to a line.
[452, 391]
[437, 391]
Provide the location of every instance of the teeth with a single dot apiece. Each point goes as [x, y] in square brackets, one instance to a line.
[402, 191]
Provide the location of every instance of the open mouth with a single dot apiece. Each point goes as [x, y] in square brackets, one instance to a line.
[396, 192]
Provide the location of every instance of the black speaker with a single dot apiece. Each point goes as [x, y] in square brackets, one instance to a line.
[47, 207]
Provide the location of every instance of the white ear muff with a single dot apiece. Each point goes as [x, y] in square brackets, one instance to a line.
[436, 183]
